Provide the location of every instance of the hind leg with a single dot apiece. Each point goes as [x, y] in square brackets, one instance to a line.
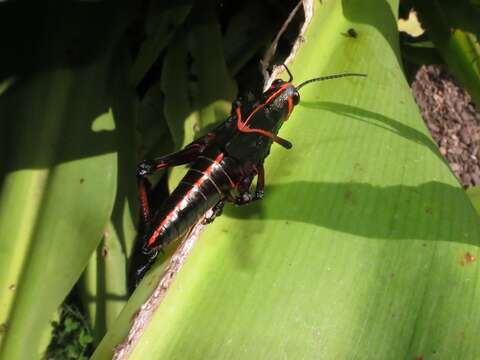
[216, 211]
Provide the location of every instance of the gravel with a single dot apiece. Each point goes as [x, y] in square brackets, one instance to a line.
[452, 119]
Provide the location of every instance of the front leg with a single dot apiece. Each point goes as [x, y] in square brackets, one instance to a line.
[260, 190]
[244, 195]
[188, 154]
[243, 198]
[216, 211]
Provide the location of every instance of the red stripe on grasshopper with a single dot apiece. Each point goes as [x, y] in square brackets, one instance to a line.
[290, 107]
[242, 126]
[174, 213]
[144, 200]
[248, 130]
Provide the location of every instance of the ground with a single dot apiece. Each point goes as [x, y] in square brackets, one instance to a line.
[452, 119]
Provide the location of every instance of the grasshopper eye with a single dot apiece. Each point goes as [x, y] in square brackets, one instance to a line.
[295, 98]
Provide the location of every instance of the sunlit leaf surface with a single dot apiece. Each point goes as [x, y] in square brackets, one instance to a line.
[365, 245]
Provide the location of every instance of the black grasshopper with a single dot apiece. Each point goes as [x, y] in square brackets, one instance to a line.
[222, 165]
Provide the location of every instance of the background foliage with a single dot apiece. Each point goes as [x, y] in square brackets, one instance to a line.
[364, 247]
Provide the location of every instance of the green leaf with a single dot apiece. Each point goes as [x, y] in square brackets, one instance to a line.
[164, 17]
[47, 210]
[455, 30]
[191, 106]
[178, 108]
[247, 32]
[420, 53]
[60, 174]
[216, 89]
[152, 125]
[84, 339]
[365, 245]
[474, 195]
[103, 287]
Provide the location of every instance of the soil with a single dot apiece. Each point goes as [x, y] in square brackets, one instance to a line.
[452, 119]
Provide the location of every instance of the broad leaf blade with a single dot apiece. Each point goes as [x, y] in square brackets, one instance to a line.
[59, 178]
[52, 220]
[103, 287]
[164, 17]
[365, 245]
[474, 196]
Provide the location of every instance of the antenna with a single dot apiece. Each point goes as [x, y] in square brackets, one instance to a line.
[289, 73]
[328, 77]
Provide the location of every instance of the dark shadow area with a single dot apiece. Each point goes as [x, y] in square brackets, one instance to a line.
[68, 63]
[378, 120]
[58, 65]
[101, 298]
[124, 111]
[69, 135]
[389, 213]
[49, 35]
